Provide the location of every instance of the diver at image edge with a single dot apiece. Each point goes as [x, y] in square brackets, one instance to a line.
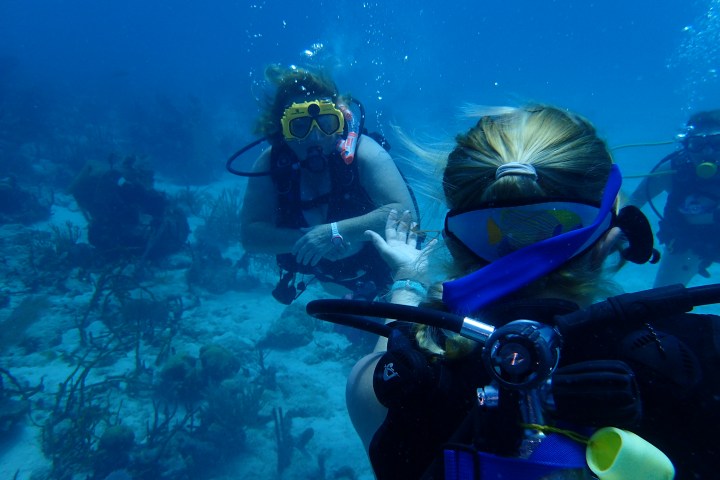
[690, 223]
[329, 184]
[519, 373]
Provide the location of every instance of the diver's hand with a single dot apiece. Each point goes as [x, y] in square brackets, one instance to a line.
[315, 245]
[399, 247]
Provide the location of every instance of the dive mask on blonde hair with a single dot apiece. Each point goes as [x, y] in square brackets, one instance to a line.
[552, 234]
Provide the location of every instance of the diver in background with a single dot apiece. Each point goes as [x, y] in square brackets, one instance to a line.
[310, 199]
[690, 223]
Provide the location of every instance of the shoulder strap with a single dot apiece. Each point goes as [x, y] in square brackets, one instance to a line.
[280, 158]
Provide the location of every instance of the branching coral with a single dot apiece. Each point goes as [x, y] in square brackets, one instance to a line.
[13, 409]
[222, 219]
[286, 441]
[69, 434]
[133, 313]
[29, 311]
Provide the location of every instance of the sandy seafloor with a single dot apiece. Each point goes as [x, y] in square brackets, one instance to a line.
[310, 378]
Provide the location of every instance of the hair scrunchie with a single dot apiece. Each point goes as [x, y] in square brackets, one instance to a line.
[515, 168]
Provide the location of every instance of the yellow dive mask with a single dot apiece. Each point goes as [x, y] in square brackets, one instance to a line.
[300, 118]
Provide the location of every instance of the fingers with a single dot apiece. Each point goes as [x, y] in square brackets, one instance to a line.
[315, 259]
[385, 250]
[299, 245]
[376, 239]
[302, 255]
[406, 228]
[304, 251]
[392, 224]
[403, 228]
[431, 244]
[309, 255]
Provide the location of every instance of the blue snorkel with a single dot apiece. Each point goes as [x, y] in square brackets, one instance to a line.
[517, 269]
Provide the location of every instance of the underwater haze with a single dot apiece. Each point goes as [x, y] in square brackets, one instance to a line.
[182, 365]
[636, 69]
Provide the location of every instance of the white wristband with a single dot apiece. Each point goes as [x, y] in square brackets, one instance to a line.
[410, 285]
[336, 239]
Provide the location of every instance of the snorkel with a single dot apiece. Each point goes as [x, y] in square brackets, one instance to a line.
[348, 146]
[515, 270]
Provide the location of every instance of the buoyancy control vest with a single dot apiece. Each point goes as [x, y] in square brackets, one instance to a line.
[675, 357]
[346, 199]
[691, 198]
[687, 184]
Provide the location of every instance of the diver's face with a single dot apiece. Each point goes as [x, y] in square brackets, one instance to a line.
[704, 146]
[315, 143]
[311, 128]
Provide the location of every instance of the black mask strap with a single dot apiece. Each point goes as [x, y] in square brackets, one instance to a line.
[636, 228]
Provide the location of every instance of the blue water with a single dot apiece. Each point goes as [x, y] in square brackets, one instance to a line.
[635, 68]
[179, 82]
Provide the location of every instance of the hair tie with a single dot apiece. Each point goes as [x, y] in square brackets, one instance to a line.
[515, 168]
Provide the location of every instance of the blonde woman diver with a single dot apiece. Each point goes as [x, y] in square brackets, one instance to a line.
[531, 194]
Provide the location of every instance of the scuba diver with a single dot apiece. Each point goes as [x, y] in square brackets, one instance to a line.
[494, 362]
[318, 188]
[690, 222]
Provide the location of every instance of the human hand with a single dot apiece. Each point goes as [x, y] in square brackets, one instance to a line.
[399, 247]
[315, 245]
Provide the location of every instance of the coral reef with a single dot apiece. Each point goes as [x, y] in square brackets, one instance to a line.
[222, 219]
[12, 410]
[18, 205]
[292, 329]
[217, 274]
[27, 313]
[126, 215]
[218, 363]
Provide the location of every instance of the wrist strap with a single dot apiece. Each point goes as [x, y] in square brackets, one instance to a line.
[335, 238]
[411, 285]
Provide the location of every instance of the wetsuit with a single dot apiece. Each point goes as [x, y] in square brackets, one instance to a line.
[676, 362]
[346, 199]
[690, 195]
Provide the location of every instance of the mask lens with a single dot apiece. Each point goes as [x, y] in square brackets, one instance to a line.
[492, 233]
[328, 123]
[697, 144]
[300, 126]
[714, 142]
